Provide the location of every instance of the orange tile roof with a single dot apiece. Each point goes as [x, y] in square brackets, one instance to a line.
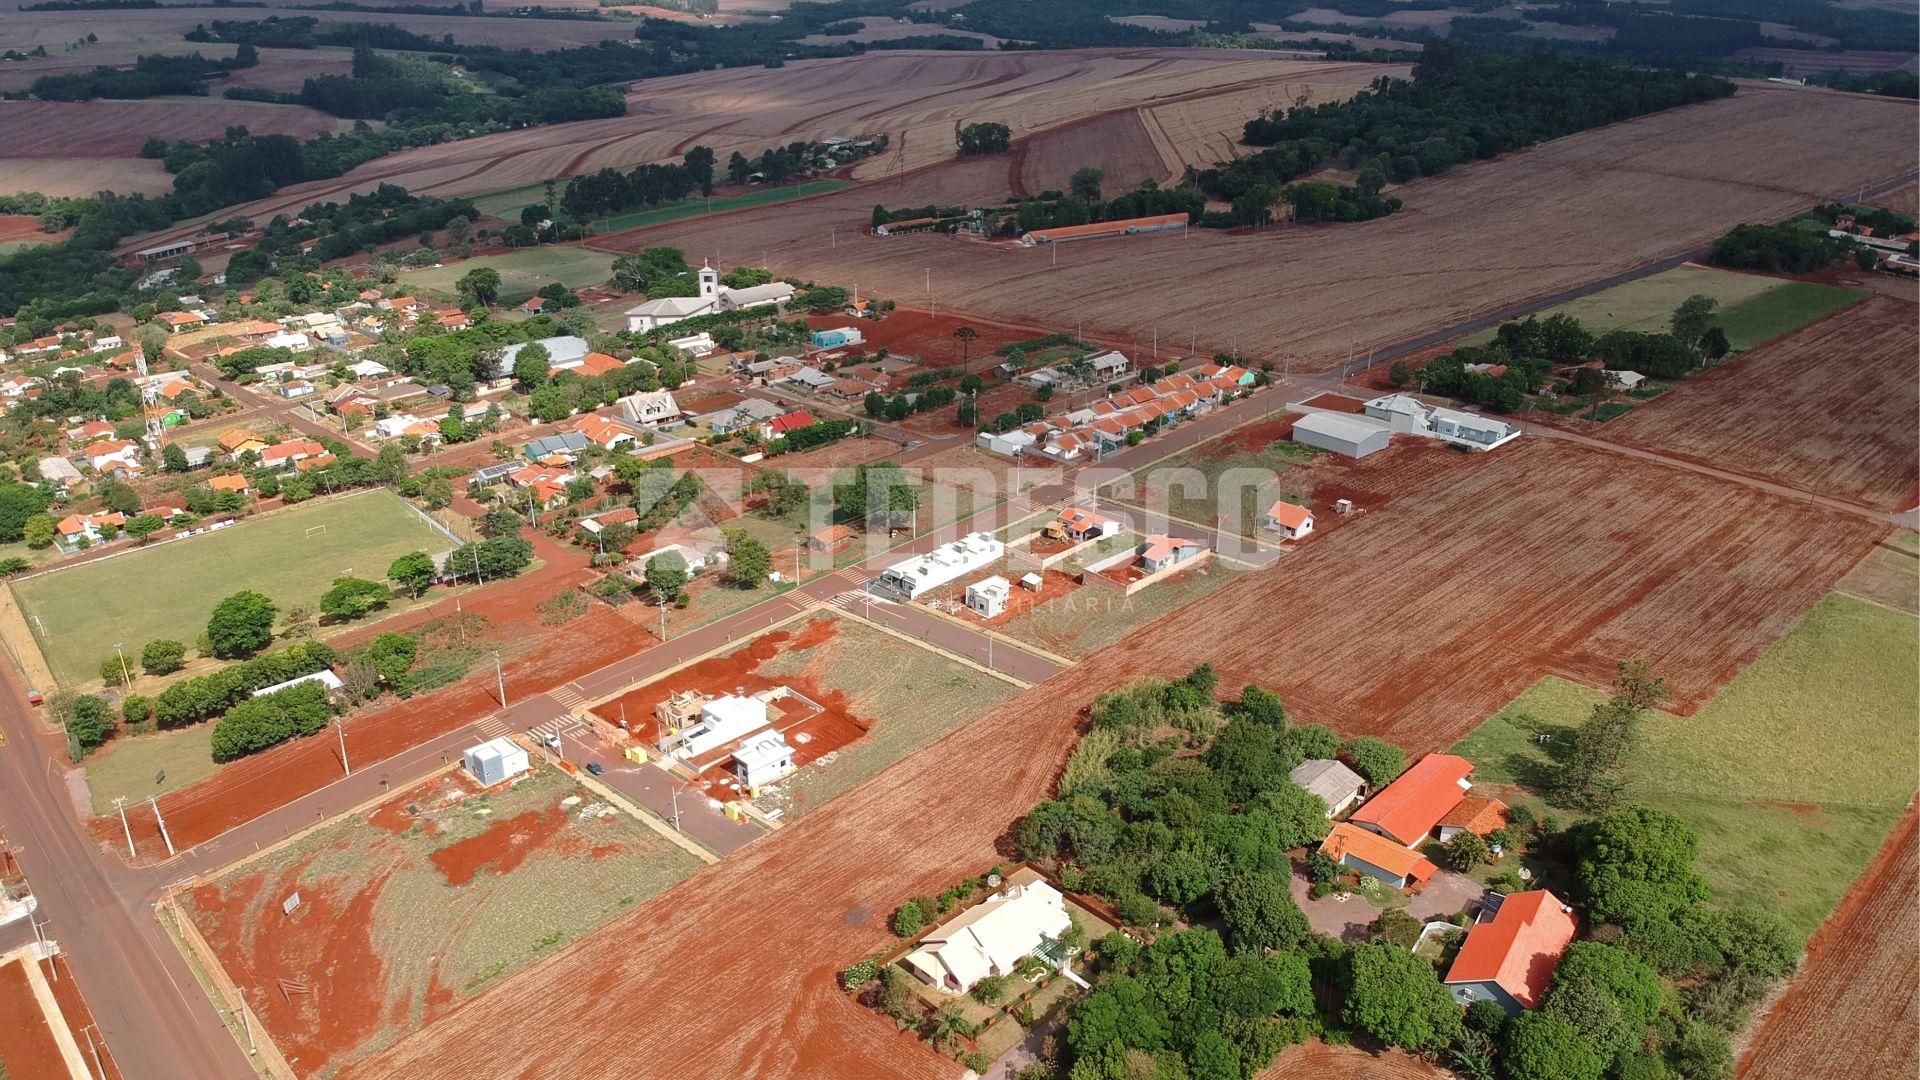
[228, 483]
[1518, 948]
[596, 363]
[792, 421]
[1289, 515]
[1160, 545]
[1102, 228]
[1409, 808]
[237, 437]
[1078, 520]
[1477, 815]
[1345, 839]
[181, 318]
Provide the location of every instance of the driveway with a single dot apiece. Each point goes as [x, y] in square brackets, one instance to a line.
[1447, 894]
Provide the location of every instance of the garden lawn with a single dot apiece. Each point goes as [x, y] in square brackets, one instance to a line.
[1647, 304]
[696, 206]
[168, 590]
[1792, 776]
[522, 273]
[137, 766]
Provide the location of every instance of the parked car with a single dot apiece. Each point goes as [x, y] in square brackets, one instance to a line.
[34, 698]
[594, 768]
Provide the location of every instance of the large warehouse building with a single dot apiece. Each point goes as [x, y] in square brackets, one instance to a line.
[1354, 436]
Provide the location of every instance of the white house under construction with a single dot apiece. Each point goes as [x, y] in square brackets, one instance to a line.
[919, 575]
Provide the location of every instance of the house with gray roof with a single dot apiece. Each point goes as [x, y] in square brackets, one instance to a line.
[1338, 786]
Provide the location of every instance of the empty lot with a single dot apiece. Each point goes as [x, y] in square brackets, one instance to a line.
[1469, 577]
[1831, 408]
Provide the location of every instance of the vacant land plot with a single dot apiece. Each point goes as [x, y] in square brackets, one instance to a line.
[522, 273]
[687, 208]
[1227, 483]
[167, 591]
[882, 698]
[1560, 215]
[135, 767]
[1831, 409]
[1647, 304]
[1854, 1008]
[29, 1049]
[1117, 143]
[1794, 304]
[1085, 621]
[915, 98]
[84, 129]
[408, 910]
[1334, 629]
[1792, 775]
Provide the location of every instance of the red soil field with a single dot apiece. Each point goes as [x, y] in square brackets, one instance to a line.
[1337, 403]
[1117, 143]
[505, 845]
[1318, 1061]
[1831, 408]
[1854, 1010]
[915, 333]
[1518, 580]
[1478, 239]
[287, 69]
[23, 227]
[85, 129]
[28, 1052]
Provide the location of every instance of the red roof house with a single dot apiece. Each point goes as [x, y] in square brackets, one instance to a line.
[781, 425]
[1408, 809]
[1509, 959]
[1376, 856]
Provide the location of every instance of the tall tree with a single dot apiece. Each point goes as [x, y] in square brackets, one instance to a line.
[1085, 184]
[1591, 775]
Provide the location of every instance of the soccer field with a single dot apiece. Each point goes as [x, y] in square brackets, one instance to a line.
[168, 590]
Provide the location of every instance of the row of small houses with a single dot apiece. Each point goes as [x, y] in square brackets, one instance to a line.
[1097, 430]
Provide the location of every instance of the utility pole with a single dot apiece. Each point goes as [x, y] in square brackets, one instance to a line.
[120, 804]
[663, 620]
[933, 310]
[500, 678]
[94, 1050]
[126, 679]
[476, 567]
[340, 726]
[155, 803]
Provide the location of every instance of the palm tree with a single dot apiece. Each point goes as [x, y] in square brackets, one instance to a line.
[950, 1025]
[965, 335]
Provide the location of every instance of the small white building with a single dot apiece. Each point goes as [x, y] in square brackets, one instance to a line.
[916, 576]
[325, 677]
[1353, 436]
[764, 759]
[1006, 443]
[1625, 380]
[1471, 430]
[495, 761]
[696, 346]
[988, 598]
[1338, 786]
[292, 341]
[1290, 520]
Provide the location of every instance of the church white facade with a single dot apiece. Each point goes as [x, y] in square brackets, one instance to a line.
[714, 298]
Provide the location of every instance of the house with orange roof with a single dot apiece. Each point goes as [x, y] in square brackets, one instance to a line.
[603, 431]
[1290, 520]
[253, 329]
[237, 441]
[833, 538]
[398, 303]
[317, 461]
[111, 451]
[781, 426]
[292, 452]
[1162, 551]
[1410, 808]
[76, 531]
[588, 366]
[1081, 524]
[91, 431]
[1510, 954]
[234, 482]
[453, 320]
[1376, 856]
[1474, 814]
[178, 322]
[1234, 373]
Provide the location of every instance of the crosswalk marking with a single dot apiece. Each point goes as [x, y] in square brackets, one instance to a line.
[568, 696]
[559, 725]
[491, 726]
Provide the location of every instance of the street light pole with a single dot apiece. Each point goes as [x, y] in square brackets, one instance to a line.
[120, 804]
[155, 803]
[676, 808]
[340, 726]
[125, 678]
[500, 678]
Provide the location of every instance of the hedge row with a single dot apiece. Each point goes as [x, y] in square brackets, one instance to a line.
[203, 697]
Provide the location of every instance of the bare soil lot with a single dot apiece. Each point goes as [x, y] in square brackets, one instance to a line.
[1516, 577]
[115, 129]
[1831, 408]
[1475, 240]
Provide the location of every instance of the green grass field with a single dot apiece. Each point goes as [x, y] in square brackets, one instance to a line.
[1793, 775]
[168, 590]
[1782, 310]
[1754, 309]
[151, 764]
[521, 273]
[697, 206]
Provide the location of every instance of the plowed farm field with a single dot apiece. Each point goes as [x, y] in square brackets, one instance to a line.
[42, 143]
[1465, 578]
[1831, 408]
[915, 98]
[1855, 1008]
[1476, 240]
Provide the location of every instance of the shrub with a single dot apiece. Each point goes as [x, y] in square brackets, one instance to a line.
[860, 974]
[990, 989]
[163, 657]
[88, 723]
[258, 723]
[909, 920]
[136, 708]
[1377, 760]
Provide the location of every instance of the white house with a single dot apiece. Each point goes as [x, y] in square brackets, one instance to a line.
[990, 938]
[325, 677]
[1008, 443]
[1470, 429]
[1626, 380]
[697, 559]
[914, 577]
[1289, 520]
[712, 299]
[650, 407]
[988, 598]
[697, 345]
[290, 340]
[722, 720]
[764, 759]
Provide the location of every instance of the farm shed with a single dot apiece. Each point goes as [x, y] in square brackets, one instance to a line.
[1102, 229]
[1338, 786]
[1354, 436]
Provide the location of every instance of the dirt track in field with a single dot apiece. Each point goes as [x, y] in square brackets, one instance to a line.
[1854, 1010]
[1831, 408]
[1464, 578]
[1478, 239]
